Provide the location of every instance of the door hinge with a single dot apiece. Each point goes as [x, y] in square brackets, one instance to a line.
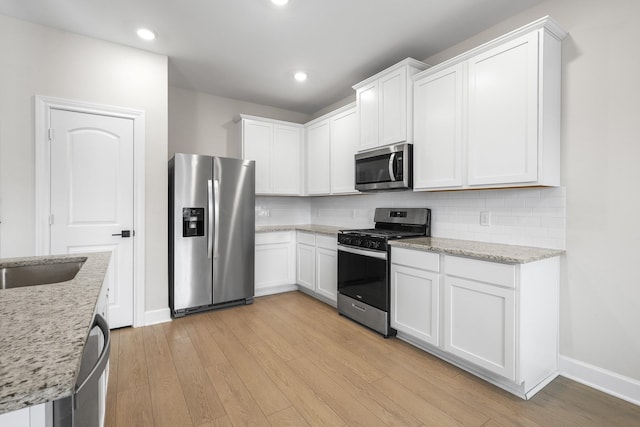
[50, 219]
[50, 135]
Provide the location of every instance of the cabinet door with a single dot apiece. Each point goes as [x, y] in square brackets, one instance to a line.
[344, 144]
[306, 266]
[415, 303]
[319, 158]
[274, 260]
[367, 101]
[479, 324]
[392, 116]
[327, 268]
[503, 114]
[437, 136]
[257, 137]
[286, 159]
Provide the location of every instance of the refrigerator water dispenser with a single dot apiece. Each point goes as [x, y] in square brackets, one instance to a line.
[192, 222]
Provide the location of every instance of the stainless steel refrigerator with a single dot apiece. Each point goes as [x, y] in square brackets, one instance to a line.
[211, 232]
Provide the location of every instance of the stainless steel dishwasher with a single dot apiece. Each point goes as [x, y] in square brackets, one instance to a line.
[85, 407]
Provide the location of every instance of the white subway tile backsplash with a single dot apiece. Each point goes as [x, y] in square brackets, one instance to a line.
[531, 217]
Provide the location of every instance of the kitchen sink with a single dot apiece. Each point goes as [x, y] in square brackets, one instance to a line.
[38, 274]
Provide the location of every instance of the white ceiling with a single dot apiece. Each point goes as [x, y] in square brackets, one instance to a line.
[249, 49]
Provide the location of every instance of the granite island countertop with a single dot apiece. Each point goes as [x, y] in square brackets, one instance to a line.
[43, 330]
[495, 252]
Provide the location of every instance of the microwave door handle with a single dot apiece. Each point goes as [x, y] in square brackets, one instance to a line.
[392, 161]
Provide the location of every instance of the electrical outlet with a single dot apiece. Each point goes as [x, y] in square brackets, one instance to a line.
[485, 218]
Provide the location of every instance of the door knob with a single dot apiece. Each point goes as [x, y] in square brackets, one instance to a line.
[124, 233]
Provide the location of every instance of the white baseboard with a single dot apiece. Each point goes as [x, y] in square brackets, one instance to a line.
[261, 292]
[153, 317]
[601, 379]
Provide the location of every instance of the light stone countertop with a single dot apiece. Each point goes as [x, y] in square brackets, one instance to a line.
[508, 254]
[43, 330]
[311, 228]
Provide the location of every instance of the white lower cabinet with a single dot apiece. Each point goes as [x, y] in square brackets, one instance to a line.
[33, 416]
[327, 267]
[317, 265]
[415, 294]
[497, 321]
[275, 268]
[306, 260]
[479, 324]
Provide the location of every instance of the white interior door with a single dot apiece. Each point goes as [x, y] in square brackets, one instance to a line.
[92, 197]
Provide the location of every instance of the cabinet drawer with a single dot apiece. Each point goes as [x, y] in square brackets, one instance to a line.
[481, 271]
[306, 238]
[416, 259]
[327, 242]
[274, 237]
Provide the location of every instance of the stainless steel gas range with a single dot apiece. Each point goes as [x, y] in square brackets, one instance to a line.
[364, 261]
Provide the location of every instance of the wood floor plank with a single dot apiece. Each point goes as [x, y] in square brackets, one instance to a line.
[291, 360]
[423, 410]
[134, 408]
[305, 400]
[167, 398]
[307, 335]
[220, 422]
[271, 336]
[288, 417]
[360, 390]
[350, 410]
[266, 393]
[207, 348]
[238, 403]
[201, 397]
[595, 407]
[132, 368]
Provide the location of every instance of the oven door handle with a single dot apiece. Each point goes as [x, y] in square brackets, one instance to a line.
[363, 252]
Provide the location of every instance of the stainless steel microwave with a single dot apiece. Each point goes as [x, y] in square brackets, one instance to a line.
[385, 169]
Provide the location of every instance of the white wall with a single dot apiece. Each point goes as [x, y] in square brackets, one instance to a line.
[37, 60]
[200, 123]
[600, 291]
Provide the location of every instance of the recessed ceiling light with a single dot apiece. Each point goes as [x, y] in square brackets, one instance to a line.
[280, 2]
[146, 34]
[300, 76]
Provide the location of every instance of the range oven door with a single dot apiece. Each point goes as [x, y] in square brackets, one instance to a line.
[363, 275]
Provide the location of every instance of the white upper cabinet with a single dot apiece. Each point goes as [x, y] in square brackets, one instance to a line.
[286, 173]
[332, 142]
[277, 148]
[256, 144]
[319, 158]
[490, 118]
[437, 150]
[344, 144]
[384, 104]
[503, 113]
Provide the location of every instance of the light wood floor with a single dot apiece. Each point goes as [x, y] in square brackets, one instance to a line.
[291, 360]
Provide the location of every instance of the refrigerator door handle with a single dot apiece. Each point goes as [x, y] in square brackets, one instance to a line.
[210, 218]
[216, 213]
